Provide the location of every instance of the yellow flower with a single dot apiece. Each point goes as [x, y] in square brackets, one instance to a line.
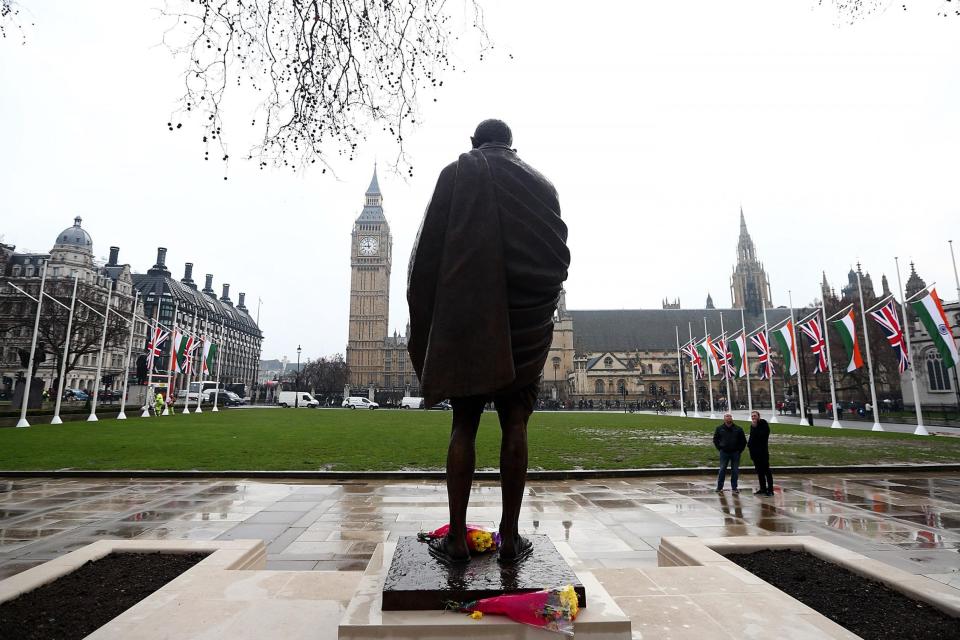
[568, 598]
[476, 615]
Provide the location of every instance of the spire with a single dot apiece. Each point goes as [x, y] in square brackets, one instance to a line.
[743, 223]
[710, 302]
[374, 188]
[746, 253]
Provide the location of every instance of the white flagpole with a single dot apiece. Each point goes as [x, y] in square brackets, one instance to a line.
[188, 358]
[126, 370]
[693, 374]
[710, 355]
[866, 343]
[795, 338]
[773, 395]
[103, 341]
[33, 348]
[202, 359]
[833, 389]
[920, 430]
[679, 368]
[66, 354]
[216, 392]
[152, 359]
[955, 276]
[172, 374]
[726, 368]
[746, 360]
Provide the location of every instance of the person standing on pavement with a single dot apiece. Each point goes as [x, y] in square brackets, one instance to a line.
[730, 441]
[760, 453]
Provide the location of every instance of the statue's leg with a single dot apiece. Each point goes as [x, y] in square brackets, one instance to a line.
[514, 411]
[461, 459]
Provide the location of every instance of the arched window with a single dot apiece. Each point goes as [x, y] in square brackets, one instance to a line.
[598, 386]
[938, 379]
[650, 368]
[556, 362]
[608, 362]
[665, 369]
[621, 387]
[674, 388]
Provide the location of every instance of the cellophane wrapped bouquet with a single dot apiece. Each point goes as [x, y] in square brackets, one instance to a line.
[551, 609]
[479, 539]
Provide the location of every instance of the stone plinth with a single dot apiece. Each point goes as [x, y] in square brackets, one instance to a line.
[418, 581]
[365, 618]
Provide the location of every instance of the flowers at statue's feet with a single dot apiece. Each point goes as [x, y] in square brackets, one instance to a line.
[551, 609]
[479, 539]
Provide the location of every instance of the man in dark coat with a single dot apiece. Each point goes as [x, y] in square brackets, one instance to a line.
[484, 281]
[760, 453]
[729, 440]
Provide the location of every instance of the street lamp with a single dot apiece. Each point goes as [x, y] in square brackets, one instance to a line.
[296, 395]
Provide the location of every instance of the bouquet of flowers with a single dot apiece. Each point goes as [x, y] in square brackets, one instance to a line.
[479, 539]
[550, 609]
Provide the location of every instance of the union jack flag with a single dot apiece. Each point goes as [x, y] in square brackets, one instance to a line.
[690, 351]
[154, 348]
[760, 344]
[814, 332]
[886, 317]
[723, 356]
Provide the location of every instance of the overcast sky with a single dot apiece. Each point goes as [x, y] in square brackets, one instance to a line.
[656, 121]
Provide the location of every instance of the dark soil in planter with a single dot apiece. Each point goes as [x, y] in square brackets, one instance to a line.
[77, 604]
[867, 608]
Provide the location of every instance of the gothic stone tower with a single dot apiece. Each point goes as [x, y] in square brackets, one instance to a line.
[370, 259]
[749, 285]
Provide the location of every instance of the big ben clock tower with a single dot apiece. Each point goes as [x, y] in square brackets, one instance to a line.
[370, 258]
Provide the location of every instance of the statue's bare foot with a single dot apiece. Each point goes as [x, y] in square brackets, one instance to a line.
[449, 551]
[514, 549]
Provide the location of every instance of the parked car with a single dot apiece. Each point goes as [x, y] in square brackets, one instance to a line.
[443, 405]
[76, 394]
[411, 402]
[355, 402]
[297, 399]
[230, 399]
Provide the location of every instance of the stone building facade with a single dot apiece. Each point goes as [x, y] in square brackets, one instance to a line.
[71, 255]
[380, 366]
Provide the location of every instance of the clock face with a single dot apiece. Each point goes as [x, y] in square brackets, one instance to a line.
[368, 246]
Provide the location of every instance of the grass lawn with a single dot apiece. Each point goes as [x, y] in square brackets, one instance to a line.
[339, 439]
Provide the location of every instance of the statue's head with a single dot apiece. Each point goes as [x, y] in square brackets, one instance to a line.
[492, 131]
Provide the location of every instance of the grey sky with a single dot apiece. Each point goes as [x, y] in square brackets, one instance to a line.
[656, 122]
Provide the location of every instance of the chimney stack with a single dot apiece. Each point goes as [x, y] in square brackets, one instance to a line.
[161, 266]
[208, 286]
[114, 254]
[188, 275]
[243, 298]
[225, 298]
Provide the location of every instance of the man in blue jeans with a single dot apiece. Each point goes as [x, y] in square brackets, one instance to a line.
[730, 441]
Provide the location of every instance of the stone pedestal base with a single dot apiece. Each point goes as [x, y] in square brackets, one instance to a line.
[365, 618]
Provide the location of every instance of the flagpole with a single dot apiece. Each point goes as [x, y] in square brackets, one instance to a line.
[679, 367]
[33, 347]
[920, 430]
[866, 342]
[202, 358]
[66, 354]
[800, 379]
[833, 389]
[693, 374]
[216, 392]
[103, 341]
[152, 359]
[956, 374]
[126, 370]
[186, 359]
[746, 360]
[773, 395]
[172, 374]
[726, 365]
[709, 349]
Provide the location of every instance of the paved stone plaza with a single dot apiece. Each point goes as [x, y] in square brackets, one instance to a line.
[911, 521]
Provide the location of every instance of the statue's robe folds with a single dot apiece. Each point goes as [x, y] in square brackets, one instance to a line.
[485, 277]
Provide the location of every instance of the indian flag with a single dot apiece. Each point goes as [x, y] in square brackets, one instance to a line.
[847, 329]
[705, 349]
[738, 347]
[788, 348]
[209, 356]
[930, 311]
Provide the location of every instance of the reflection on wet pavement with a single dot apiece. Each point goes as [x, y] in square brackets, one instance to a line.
[909, 520]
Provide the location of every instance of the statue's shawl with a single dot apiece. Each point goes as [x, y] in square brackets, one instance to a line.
[485, 276]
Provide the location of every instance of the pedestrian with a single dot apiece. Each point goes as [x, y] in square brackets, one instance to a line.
[758, 444]
[730, 442]
[158, 404]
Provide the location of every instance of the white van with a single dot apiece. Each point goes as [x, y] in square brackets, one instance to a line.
[356, 402]
[291, 399]
[411, 402]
